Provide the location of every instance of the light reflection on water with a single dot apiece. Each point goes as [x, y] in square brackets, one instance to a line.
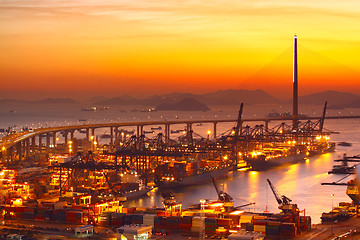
[300, 182]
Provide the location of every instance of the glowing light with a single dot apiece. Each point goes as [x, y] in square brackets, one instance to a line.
[237, 212]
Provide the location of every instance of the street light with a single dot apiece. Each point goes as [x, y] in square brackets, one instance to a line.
[208, 132]
[332, 208]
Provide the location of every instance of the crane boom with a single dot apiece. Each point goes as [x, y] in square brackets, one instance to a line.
[278, 199]
[217, 190]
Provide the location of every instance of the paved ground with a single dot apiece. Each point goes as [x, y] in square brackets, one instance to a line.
[318, 232]
[331, 231]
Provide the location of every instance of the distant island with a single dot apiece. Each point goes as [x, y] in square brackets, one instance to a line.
[187, 104]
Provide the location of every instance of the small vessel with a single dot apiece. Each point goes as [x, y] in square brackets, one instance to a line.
[176, 131]
[345, 144]
[89, 109]
[137, 193]
[149, 131]
[105, 136]
[344, 167]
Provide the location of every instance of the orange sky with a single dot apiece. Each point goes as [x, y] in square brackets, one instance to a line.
[72, 48]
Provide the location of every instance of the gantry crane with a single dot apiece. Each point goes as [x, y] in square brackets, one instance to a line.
[223, 196]
[290, 210]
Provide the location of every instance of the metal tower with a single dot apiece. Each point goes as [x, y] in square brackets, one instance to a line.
[295, 87]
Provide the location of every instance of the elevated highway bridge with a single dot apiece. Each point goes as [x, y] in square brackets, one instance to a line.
[24, 143]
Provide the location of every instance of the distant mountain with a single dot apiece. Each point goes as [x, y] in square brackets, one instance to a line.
[334, 98]
[97, 99]
[236, 96]
[354, 104]
[187, 104]
[56, 101]
[11, 101]
[222, 97]
[122, 100]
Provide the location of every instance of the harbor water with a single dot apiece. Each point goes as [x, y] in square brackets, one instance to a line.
[300, 182]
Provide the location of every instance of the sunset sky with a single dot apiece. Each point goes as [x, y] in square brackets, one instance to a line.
[142, 47]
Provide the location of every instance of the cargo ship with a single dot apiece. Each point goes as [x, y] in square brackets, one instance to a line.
[182, 174]
[264, 162]
[275, 156]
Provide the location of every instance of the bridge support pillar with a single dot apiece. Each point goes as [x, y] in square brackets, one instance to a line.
[111, 136]
[19, 150]
[72, 135]
[27, 152]
[87, 134]
[33, 145]
[167, 133]
[10, 152]
[215, 123]
[3, 154]
[93, 133]
[66, 138]
[40, 142]
[116, 131]
[267, 125]
[139, 130]
[54, 139]
[47, 140]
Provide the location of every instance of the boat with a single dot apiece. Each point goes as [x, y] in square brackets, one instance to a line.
[344, 144]
[278, 155]
[177, 176]
[105, 135]
[137, 193]
[262, 162]
[344, 167]
[341, 169]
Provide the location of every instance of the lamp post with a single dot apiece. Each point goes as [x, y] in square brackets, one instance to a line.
[208, 132]
[202, 220]
[332, 208]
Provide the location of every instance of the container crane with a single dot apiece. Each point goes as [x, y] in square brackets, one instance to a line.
[223, 196]
[285, 204]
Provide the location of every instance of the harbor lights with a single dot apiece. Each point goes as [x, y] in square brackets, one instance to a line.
[70, 147]
[92, 142]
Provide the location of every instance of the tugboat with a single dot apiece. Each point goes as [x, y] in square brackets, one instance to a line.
[344, 168]
[344, 144]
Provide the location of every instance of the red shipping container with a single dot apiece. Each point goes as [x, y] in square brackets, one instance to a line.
[185, 226]
[224, 222]
[116, 222]
[39, 218]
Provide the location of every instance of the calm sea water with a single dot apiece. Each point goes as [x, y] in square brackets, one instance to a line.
[300, 182]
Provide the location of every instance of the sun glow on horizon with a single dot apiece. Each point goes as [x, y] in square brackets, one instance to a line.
[193, 46]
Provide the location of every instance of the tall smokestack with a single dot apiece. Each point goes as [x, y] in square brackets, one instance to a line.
[295, 87]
